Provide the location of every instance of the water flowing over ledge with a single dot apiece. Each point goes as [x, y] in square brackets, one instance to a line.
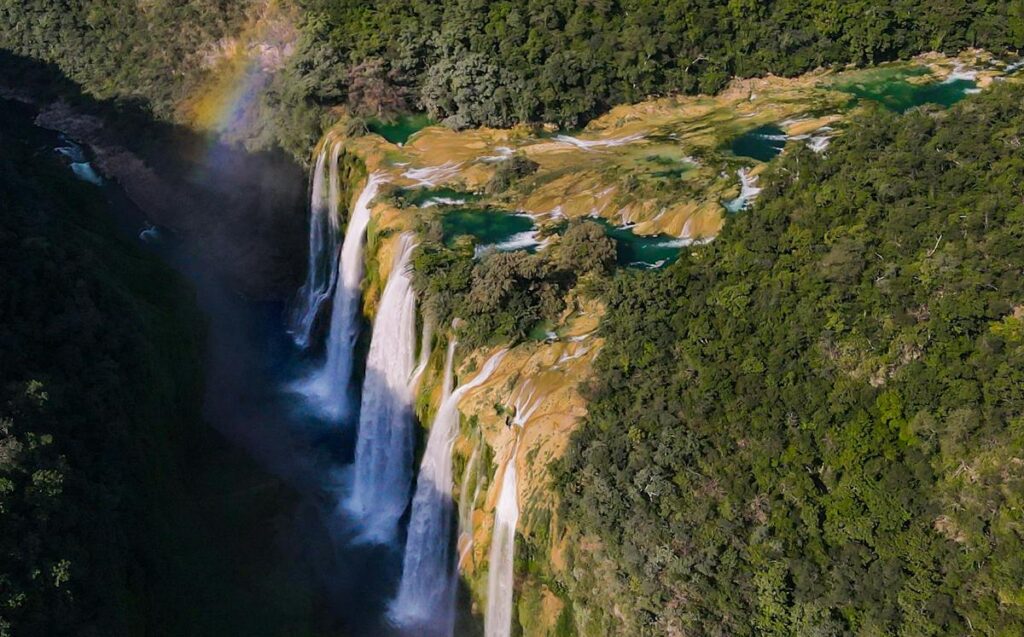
[384, 446]
[498, 618]
[467, 500]
[748, 192]
[426, 595]
[328, 388]
[322, 268]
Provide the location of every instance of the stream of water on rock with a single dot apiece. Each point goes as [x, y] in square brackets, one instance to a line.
[426, 594]
[322, 268]
[328, 389]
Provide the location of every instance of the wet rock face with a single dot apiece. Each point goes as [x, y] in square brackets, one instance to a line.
[243, 213]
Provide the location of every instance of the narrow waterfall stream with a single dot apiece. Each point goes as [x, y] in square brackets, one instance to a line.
[501, 563]
[467, 501]
[748, 191]
[426, 595]
[498, 617]
[384, 446]
[324, 225]
[80, 164]
[328, 388]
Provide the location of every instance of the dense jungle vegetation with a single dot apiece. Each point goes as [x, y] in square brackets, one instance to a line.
[470, 62]
[813, 425]
[102, 451]
[142, 52]
[503, 296]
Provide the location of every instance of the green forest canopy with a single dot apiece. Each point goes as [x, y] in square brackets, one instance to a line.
[813, 426]
[470, 62]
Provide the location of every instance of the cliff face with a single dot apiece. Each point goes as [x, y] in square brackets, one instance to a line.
[614, 170]
[242, 211]
[524, 415]
[121, 512]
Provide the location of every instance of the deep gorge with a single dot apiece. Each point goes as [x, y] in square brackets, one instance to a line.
[381, 321]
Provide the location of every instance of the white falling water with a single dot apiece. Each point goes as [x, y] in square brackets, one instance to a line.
[819, 143]
[467, 501]
[384, 445]
[525, 404]
[748, 192]
[84, 171]
[960, 72]
[424, 359]
[79, 163]
[426, 595]
[518, 241]
[431, 176]
[503, 153]
[322, 270]
[328, 388]
[498, 617]
[590, 144]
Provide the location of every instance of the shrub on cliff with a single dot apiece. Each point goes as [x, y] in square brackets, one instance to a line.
[510, 171]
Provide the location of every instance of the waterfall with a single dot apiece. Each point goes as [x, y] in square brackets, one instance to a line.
[467, 501]
[748, 191]
[321, 271]
[79, 162]
[426, 595]
[329, 386]
[384, 446]
[425, 343]
[525, 403]
[498, 617]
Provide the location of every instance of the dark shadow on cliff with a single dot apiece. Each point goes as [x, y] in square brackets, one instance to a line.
[234, 225]
[171, 529]
[469, 621]
[234, 533]
[242, 212]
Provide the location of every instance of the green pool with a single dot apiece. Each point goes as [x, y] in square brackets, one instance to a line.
[893, 89]
[642, 251]
[761, 143]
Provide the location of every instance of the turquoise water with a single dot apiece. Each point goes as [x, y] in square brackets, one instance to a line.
[762, 143]
[399, 129]
[489, 226]
[641, 251]
[891, 88]
[508, 231]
